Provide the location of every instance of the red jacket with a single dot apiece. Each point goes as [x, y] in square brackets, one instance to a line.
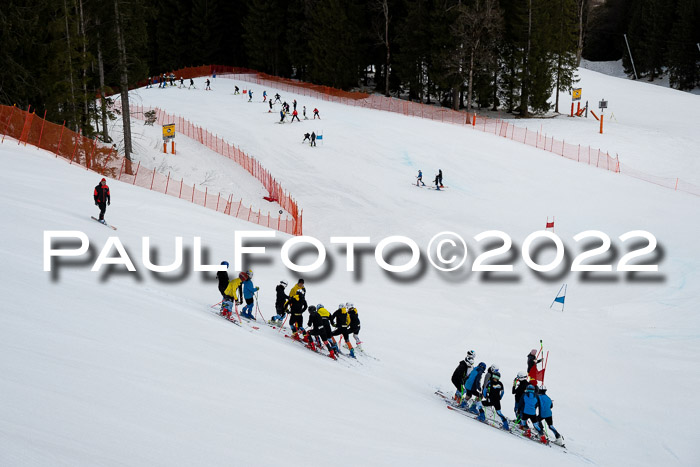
[101, 194]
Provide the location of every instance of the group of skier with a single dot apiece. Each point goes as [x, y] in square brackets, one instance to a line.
[318, 332]
[532, 404]
[438, 179]
[170, 78]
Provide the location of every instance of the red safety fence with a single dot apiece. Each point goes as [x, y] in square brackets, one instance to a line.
[217, 144]
[27, 128]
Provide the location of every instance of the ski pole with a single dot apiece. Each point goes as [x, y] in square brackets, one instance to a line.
[214, 305]
[285, 320]
[235, 303]
[257, 308]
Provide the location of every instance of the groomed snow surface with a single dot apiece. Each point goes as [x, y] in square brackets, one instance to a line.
[133, 369]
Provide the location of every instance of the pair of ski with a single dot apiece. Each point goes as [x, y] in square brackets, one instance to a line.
[103, 223]
[514, 428]
[430, 187]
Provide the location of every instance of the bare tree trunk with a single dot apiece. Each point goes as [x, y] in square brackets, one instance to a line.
[70, 67]
[561, 35]
[579, 49]
[124, 82]
[103, 101]
[81, 28]
[471, 77]
[525, 94]
[495, 87]
[385, 8]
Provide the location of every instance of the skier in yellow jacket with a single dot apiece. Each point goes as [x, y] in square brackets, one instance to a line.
[232, 293]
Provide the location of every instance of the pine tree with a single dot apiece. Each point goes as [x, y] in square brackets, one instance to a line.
[264, 26]
[414, 48]
[684, 55]
[565, 46]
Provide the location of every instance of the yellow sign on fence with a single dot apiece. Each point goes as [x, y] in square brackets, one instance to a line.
[576, 95]
[169, 131]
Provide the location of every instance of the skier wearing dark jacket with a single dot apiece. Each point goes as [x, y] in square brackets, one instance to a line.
[102, 198]
[281, 299]
[459, 377]
[318, 328]
[341, 320]
[519, 385]
[222, 276]
[354, 323]
[296, 305]
[532, 359]
[493, 393]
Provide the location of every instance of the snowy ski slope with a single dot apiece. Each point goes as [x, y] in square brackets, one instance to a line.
[115, 369]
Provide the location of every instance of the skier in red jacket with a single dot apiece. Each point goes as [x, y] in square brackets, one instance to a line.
[102, 198]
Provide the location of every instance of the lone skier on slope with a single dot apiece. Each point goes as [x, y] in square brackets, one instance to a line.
[102, 198]
[420, 178]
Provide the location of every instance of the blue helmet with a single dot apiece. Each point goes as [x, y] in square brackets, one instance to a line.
[530, 388]
[225, 263]
[481, 367]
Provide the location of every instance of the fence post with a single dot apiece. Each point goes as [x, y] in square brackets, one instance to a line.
[206, 190]
[217, 201]
[578, 156]
[137, 172]
[180, 195]
[92, 154]
[153, 178]
[41, 133]
[121, 168]
[193, 188]
[239, 207]
[167, 182]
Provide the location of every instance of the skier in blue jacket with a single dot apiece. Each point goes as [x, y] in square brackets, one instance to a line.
[546, 405]
[472, 387]
[529, 405]
[249, 290]
[419, 179]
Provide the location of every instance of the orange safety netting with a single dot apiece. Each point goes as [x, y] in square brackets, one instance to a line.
[27, 128]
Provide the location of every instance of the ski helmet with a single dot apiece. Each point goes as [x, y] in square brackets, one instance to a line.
[471, 354]
[469, 360]
[349, 305]
[283, 283]
[342, 305]
[250, 273]
[319, 306]
[482, 366]
[530, 388]
[494, 368]
[543, 389]
[496, 375]
[522, 375]
[312, 309]
[243, 276]
[533, 352]
[225, 263]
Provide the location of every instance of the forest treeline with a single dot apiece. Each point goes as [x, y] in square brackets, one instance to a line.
[62, 55]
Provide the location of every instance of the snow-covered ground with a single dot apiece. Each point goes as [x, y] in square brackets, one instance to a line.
[134, 369]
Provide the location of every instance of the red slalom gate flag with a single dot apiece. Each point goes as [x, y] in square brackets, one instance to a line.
[538, 374]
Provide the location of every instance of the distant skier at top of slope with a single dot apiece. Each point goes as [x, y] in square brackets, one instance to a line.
[208, 87]
[236, 90]
[277, 98]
